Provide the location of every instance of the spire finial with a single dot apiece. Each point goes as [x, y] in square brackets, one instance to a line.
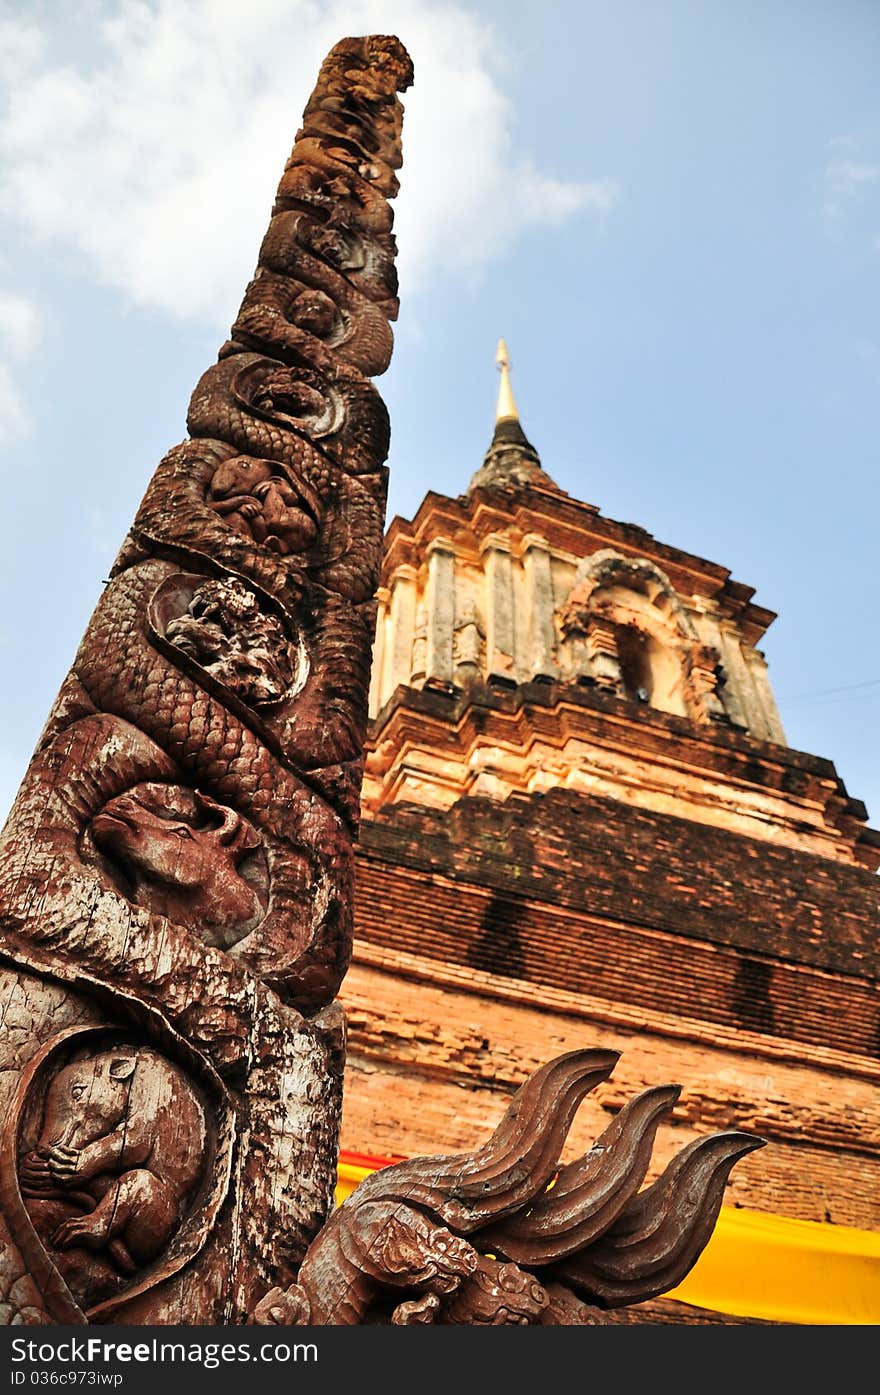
[506, 410]
[511, 462]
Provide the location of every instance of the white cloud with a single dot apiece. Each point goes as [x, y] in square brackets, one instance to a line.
[19, 324]
[847, 176]
[21, 47]
[157, 163]
[845, 179]
[19, 335]
[14, 419]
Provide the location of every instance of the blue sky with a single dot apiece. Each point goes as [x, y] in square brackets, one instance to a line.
[671, 211]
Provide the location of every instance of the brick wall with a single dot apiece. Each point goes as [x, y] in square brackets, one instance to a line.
[592, 895]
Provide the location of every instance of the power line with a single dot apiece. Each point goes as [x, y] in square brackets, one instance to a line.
[829, 692]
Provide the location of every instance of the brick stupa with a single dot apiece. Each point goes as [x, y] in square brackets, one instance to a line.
[581, 822]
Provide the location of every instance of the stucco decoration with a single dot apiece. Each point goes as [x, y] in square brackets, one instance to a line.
[624, 615]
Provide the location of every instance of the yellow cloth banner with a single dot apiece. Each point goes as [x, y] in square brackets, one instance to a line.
[783, 1270]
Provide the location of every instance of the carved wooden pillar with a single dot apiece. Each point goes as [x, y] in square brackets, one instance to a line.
[176, 872]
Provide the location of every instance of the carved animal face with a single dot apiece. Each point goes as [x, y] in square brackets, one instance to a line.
[497, 1295]
[228, 602]
[316, 312]
[182, 855]
[87, 1099]
[238, 476]
[289, 392]
[415, 1254]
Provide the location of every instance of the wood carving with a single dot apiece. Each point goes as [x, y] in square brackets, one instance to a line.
[505, 1236]
[99, 1154]
[185, 857]
[176, 871]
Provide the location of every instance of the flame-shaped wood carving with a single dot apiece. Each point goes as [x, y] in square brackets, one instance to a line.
[504, 1235]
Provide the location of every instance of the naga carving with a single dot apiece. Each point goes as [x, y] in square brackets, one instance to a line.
[505, 1235]
[176, 871]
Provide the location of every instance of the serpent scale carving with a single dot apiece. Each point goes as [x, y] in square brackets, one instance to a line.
[219, 699]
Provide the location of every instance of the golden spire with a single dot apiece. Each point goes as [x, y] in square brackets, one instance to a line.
[511, 460]
[506, 410]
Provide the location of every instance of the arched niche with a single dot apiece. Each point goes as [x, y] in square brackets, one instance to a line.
[628, 630]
